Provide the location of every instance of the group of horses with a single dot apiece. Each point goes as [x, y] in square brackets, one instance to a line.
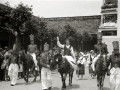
[64, 68]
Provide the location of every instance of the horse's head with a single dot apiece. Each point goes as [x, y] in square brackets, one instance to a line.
[57, 59]
[21, 56]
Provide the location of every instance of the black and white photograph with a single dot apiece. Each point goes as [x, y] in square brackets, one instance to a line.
[59, 45]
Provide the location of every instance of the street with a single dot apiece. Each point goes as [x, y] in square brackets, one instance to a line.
[85, 84]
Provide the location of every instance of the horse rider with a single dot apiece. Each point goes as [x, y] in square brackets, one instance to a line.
[13, 62]
[46, 77]
[114, 62]
[32, 48]
[100, 49]
[68, 52]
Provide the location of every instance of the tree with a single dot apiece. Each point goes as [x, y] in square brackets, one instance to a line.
[15, 19]
[78, 37]
[52, 33]
[42, 33]
[5, 18]
[20, 16]
[86, 36]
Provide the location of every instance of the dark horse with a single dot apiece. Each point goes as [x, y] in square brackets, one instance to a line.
[63, 68]
[28, 63]
[101, 68]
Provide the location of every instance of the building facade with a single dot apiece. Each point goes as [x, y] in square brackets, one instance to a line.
[110, 22]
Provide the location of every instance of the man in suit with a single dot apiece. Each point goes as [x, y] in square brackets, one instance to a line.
[100, 49]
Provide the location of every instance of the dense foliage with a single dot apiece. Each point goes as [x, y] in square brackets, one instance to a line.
[20, 19]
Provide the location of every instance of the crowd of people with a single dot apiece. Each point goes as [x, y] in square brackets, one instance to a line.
[12, 70]
[5, 54]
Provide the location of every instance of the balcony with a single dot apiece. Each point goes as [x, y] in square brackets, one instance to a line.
[109, 6]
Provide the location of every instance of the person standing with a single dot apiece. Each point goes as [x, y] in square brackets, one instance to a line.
[13, 68]
[91, 57]
[46, 76]
[80, 66]
[13, 61]
[114, 62]
[100, 49]
[32, 48]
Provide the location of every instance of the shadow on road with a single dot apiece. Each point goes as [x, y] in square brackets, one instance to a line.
[29, 83]
[74, 86]
[20, 84]
[56, 88]
[106, 88]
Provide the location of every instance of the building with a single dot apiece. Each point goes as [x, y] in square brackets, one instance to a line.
[110, 22]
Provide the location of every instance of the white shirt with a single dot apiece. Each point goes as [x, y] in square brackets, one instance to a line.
[67, 46]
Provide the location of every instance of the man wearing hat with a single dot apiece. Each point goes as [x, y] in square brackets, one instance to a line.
[46, 77]
[100, 49]
[32, 48]
[68, 52]
[114, 60]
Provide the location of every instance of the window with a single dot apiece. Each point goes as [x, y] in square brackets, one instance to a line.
[109, 33]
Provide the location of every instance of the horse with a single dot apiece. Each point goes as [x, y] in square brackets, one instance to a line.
[28, 64]
[101, 68]
[64, 68]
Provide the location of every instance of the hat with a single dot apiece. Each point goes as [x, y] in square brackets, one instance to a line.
[46, 47]
[91, 51]
[115, 46]
[6, 48]
[99, 35]
[82, 53]
[31, 37]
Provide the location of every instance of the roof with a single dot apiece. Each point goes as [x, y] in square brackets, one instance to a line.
[81, 23]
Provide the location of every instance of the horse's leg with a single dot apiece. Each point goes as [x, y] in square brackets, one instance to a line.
[27, 73]
[40, 72]
[70, 78]
[24, 74]
[64, 78]
[35, 76]
[102, 81]
[98, 81]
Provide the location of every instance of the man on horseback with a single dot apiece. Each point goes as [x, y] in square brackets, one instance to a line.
[114, 62]
[100, 49]
[46, 77]
[68, 52]
[32, 48]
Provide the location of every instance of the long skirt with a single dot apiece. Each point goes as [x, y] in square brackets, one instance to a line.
[115, 78]
[80, 69]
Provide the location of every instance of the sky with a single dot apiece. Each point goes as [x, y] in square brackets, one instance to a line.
[60, 8]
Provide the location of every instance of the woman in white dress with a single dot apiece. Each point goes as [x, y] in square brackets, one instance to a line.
[81, 66]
